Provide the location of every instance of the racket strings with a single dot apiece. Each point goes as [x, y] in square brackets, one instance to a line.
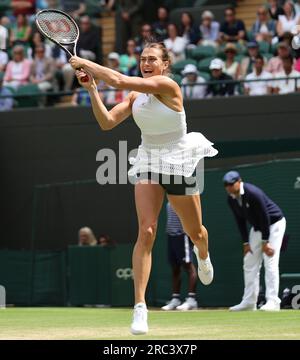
[58, 27]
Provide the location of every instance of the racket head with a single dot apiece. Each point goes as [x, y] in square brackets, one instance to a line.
[57, 26]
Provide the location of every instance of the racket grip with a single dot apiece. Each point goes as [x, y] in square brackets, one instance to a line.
[84, 79]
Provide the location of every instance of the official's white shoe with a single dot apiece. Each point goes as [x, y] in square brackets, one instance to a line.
[205, 268]
[172, 305]
[270, 306]
[189, 304]
[139, 324]
[243, 307]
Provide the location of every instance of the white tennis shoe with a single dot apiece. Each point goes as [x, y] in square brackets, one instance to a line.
[172, 305]
[139, 324]
[189, 304]
[205, 268]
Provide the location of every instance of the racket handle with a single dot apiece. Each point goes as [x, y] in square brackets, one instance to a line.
[84, 79]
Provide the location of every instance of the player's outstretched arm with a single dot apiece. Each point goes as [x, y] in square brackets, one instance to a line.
[152, 85]
[106, 119]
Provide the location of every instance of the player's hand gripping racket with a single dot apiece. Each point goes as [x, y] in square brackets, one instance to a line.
[60, 28]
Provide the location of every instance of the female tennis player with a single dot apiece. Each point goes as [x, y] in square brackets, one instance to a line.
[155, 101]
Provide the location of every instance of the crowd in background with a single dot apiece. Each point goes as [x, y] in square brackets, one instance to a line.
[86, 237]
[209, 59]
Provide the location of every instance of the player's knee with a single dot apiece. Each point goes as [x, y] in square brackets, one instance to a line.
[196, 235]
[147, 233]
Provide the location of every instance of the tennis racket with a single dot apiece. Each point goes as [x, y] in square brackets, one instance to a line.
[61, 29]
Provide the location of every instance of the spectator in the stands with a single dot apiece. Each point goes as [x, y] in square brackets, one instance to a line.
[113, 61]
[18, 69]
[111, 95]
[192, 85]
[3, 36]
[3, 60]
[35, 41]
[209, 29]
[130, 18]
[231, 66]
[24, 7]
[135, 70]
[144, 37]
[275, 64]
[128, 60]
[42, 69]
[258, 87]
[274, 9]
[188, 30]
[247, 63]
[106, 241]
[264, 28]
[89, 43]
[160, 27]
[287, 38]
[6, 103]
[288, 20]
[287, 85]
[232, 29]
[20, 32]
[222, 85]
[175, 44]
[74, 8]
[86, 237]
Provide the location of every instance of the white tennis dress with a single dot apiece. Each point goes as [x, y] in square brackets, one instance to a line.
[166, 146]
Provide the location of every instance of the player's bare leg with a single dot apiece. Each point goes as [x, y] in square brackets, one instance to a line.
[188, 209]
[149, 199]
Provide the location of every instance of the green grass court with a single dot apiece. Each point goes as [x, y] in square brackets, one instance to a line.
[91, 323]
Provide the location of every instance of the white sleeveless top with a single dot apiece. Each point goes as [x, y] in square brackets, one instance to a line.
[166, 147]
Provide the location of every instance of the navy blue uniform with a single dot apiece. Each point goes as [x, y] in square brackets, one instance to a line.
[256, 208]
[180, 246]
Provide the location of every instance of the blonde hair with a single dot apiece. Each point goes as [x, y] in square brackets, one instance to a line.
[89, 232]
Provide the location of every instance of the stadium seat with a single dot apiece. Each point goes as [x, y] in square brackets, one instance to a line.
[203, 65]
[268, 56]
[264, 47]
[177, 78]
[239, 57]
[250, 35]
[241, 48]
[27, 100]
[273, 49]
[202, 52]
[179, 66]
[205, 75]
